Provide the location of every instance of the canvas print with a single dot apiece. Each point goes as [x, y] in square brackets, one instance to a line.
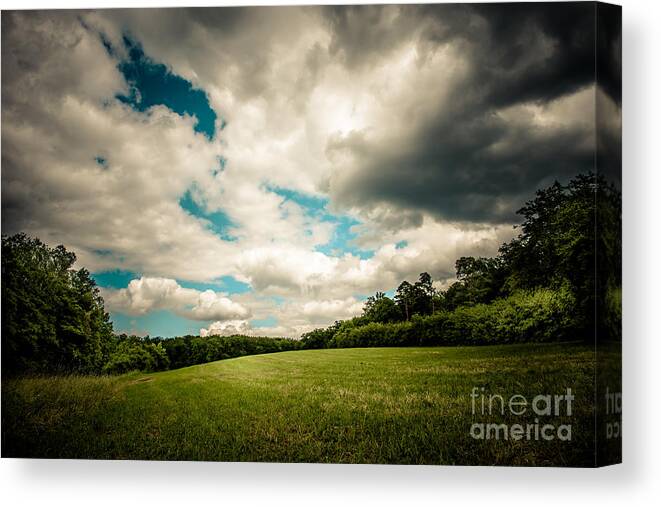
[320, 234]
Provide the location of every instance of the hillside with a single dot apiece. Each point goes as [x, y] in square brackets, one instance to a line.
[381, 405]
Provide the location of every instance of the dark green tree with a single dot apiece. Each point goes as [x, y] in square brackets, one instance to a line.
[405, 299]
[557, 245]
[319, 338]
[425, 295]
[479, 280]
[380, 308]
[53, 317]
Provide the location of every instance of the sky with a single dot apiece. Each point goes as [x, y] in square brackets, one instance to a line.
[263, 170]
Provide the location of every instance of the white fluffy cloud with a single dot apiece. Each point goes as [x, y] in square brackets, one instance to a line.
[294, 317]
[432, 247]
[227, 328]
[146, 294]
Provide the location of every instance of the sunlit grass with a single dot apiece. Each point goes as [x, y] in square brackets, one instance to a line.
[379, 405]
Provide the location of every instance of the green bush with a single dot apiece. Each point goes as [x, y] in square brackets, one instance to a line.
[134, 354]
[540, 315]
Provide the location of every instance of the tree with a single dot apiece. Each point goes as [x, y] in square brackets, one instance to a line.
[479, 280]
[425, 294]
[380, 308]
[53, 317]
[405, 299]
[319, 338]
[567, 232]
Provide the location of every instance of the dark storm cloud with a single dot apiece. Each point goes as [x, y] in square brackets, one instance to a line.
[609, 79]
[500, 38]
[363, 34]
[453, 174]
[517, 54]
[506, 54]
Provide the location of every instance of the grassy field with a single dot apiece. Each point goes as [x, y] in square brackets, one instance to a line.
[380, 405]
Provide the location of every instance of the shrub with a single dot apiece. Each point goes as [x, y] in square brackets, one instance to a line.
[539, 315]
[134, 354]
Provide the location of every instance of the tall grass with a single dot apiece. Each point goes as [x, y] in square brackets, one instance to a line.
[378, 405]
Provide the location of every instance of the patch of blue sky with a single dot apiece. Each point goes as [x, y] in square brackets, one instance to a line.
[401, 244]
[152, 83]
[218, 222]
[222, 162]
[269, 321]
[227, 284]
[114, 279]
[162, 323]
[101, 161]
[316, 207]
[360, 297]
[363, 297]
[342, 241]
[278, 300]
[313, 205]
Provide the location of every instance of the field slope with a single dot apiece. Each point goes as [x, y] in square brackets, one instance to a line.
[379, 405]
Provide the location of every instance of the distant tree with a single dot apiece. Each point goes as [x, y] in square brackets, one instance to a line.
[135, 353]
[479, 280]
[425, 295]
[380, 308]
[319, 338]
[53, 317]
[405, 299]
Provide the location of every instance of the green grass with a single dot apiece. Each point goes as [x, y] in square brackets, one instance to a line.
[378, 405]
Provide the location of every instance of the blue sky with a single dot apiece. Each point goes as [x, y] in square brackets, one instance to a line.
[217, 221]
[151, 83]
[317, 207]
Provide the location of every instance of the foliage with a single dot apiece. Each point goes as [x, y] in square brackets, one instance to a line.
[419, 298]
[479, 280]
[540, 315]
[189, 350]
[133, 353]
[380, 308]
[319, 338]
[53, 317]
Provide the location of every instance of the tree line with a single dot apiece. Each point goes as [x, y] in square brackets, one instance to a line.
[154, 354]
[558, 279]
[54, 321]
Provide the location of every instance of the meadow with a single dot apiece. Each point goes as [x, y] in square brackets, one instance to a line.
[362, 405]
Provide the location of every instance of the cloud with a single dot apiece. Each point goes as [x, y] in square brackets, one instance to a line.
[431, 247]
[148, 294]
[124, 214]
[292, 319]
[228, 328]
[338, 309]
[423, 126]
[445, 148]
